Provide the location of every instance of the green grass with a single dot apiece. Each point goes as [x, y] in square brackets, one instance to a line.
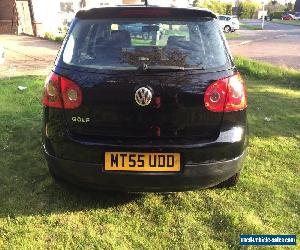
[249, 27]
[231, 36]
[54, 38]
[141, 42]
[36, 213]
[290, 22]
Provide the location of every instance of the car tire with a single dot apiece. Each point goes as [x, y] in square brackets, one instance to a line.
[227, 29]
[231, 182]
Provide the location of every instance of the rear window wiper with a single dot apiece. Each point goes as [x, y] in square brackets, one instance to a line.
[195, 68]
[167, 68]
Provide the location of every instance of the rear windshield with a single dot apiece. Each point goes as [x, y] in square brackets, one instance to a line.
[122, 44]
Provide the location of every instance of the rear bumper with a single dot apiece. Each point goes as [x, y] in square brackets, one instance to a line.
[192, 176]
[236, 27]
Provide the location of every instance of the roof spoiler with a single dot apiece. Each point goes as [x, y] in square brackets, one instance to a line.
[142, 10]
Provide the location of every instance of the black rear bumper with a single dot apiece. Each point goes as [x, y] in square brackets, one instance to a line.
[192, 176]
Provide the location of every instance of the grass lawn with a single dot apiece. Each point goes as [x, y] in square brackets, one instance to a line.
[36, 213]
[249, 27]
[291, 22]
[234, 35]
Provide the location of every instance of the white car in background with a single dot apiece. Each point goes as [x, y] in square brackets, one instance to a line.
[229, 23]
[1, 54]
[297, 15]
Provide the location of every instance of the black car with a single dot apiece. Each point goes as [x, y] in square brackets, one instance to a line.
[163, 114]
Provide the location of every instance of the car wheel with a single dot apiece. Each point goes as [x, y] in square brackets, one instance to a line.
[231, 182]
[227, 29]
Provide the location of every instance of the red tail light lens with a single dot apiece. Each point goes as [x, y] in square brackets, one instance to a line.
[71, 94]
[226, 95]
[52, 96]
[236, 96]
[60, 92]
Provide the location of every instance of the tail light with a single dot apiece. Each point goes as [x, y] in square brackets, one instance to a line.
[60, 92]
[226, 95]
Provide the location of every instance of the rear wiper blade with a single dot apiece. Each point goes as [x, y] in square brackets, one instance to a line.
[167, 68]
[145, 67]
[195, 68]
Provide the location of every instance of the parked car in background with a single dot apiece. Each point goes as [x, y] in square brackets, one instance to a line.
[138, 30]
[288, 16]
[1, 54]
[129, 114]
[229, 23]
[297, 16]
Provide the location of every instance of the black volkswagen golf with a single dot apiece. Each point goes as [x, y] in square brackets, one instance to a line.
[145, 99]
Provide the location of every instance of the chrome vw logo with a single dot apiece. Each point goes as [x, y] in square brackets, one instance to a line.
[143, 96]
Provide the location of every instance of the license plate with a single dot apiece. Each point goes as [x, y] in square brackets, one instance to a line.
[142, 162]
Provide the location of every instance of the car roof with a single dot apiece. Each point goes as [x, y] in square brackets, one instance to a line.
[141, 10]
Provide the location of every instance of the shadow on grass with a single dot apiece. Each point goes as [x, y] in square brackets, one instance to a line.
[26, 187]
[268, 73]
[292, 62]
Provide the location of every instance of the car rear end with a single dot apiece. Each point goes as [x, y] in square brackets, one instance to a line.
[288, 16]
[297, 16]
[235, 23]
[165, 113]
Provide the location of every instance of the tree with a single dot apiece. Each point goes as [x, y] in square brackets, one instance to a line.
[289, 7]
[274, 6]
[247, 9]
[215, 5]
[82, 3]
[297, 6]
[240, 10]
[229, 9]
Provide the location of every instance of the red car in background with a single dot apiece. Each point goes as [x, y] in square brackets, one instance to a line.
[288, 16]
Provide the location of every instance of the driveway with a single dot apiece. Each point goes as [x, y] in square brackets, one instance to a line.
[277, 43]
[25, 55]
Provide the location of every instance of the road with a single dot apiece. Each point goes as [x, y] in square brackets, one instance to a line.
[277, 43]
